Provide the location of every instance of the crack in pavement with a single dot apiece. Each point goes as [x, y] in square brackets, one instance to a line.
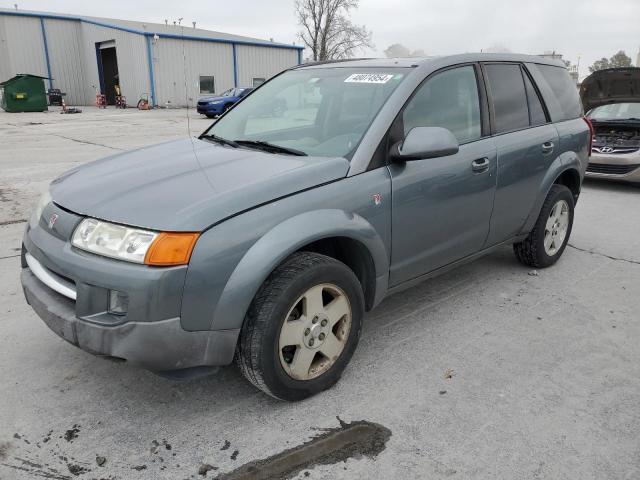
[12, 222]
[86, 142]
[618, 259]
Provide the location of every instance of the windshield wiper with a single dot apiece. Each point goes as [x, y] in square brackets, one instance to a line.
[220, 140]
[270, 147]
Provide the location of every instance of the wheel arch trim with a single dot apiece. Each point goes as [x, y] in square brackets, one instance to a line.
[568, 162]
[284, 239]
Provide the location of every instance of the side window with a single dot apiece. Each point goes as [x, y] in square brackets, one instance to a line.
[564, 90]
[257, 81]
[207, 84]
[536, 111]
[508, 97]
[450, 100]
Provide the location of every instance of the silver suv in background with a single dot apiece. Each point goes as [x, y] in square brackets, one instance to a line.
[612, 99]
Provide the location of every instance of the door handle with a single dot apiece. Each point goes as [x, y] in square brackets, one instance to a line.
[480, 165]
[547, 147]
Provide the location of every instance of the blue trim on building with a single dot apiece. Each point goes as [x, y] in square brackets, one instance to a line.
[235, 66]
[46, 52]
[152, 81]
[151, 34]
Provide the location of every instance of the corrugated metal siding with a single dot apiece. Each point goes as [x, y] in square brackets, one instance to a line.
[262, 62]
[132, 61]
[5, 68]
[66, 57]
[202, 58]
[75, 70]
[25, 50]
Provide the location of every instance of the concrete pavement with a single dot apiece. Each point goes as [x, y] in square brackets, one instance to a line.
[485, 372]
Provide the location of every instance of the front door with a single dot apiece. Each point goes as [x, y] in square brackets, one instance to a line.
[442, 206]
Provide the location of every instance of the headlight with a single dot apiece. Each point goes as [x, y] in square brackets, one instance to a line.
[45, 199]
[133, 244]
[215, 102]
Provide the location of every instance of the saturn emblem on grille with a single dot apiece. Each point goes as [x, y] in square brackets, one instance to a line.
[52, 220]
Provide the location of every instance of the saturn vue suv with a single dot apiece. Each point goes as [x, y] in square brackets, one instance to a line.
[266, 239]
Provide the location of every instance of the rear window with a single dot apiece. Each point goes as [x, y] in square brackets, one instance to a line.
[562, 90]
[508, 96]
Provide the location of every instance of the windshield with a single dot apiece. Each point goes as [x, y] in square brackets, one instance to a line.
[616, 111]
[321, 112]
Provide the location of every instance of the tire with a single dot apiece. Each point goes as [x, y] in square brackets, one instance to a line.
[532, 251]
[260, 356]
[208, 115]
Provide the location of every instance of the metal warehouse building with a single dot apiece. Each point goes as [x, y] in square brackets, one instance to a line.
[80, 55]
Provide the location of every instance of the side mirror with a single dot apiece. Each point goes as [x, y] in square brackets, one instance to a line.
[425, 142]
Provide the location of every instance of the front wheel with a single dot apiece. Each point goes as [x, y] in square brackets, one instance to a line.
[302, 327]
[550, 235]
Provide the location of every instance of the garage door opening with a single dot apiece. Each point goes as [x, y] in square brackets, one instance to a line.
[108, 70]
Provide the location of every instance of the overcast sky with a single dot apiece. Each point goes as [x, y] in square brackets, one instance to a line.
[588, 28]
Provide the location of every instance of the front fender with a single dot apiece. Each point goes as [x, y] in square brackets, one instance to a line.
[283, 240]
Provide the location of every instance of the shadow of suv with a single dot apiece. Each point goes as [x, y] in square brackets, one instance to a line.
[266, 239]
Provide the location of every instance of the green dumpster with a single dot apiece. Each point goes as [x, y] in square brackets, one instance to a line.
[23, 93]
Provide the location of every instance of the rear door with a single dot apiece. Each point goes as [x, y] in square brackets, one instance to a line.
[526, 143]
[442, 206]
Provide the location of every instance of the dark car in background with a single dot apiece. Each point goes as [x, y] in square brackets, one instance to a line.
[218, 104]
[612, 99]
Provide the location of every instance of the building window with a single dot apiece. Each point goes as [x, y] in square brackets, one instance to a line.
[257, 81]
[207, 84]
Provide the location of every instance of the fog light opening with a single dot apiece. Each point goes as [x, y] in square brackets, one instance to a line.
[118, 302]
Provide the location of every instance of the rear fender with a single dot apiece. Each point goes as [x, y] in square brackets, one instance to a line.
[564, 162]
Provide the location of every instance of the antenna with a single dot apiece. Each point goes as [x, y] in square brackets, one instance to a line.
[186, 98]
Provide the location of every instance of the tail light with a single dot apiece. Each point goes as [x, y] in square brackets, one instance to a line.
[592, 133]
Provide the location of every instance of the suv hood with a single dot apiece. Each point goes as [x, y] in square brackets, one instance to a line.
[613, 85]
[180, 186]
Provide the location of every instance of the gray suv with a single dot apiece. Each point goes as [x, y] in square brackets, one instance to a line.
[268, 237]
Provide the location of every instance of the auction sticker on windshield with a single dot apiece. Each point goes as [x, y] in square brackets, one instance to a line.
[368, 78]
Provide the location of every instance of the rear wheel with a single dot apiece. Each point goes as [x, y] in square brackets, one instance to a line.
[302, 327]
[548, 239]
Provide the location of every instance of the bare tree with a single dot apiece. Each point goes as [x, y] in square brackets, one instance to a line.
[397, 50]
[328, 31]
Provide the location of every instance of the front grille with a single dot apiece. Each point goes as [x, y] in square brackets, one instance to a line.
[614, 150]
[611, 169]
[202, 104]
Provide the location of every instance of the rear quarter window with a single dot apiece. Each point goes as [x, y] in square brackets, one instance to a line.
[559, 91]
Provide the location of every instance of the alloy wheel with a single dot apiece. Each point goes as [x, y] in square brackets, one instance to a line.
[556, 227]
[315, 332]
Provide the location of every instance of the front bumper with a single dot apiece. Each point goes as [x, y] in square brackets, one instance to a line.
[209, 109]
[621, 167]
[158, 346]
[149, 333]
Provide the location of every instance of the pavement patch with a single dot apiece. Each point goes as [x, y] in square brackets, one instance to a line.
[350, 440]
